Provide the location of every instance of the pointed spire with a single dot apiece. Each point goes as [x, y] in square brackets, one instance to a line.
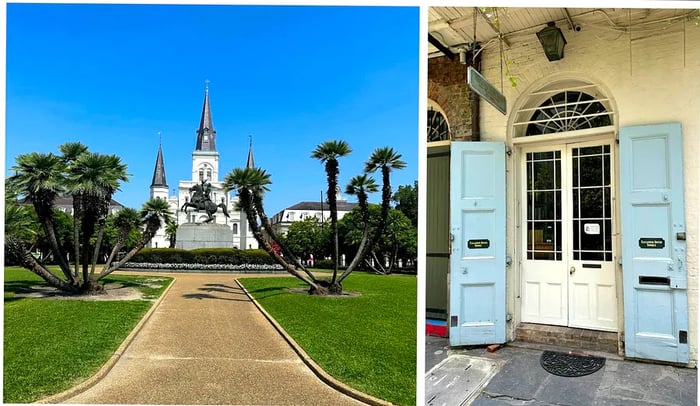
[159, 171]
[250, 163]
[206, 135]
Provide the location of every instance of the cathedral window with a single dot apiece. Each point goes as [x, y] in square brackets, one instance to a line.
[209, 174]
[201, 175]
[235, 228]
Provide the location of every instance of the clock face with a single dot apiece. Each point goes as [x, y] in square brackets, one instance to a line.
[437, 127]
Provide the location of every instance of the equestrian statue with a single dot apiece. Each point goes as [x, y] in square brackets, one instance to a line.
[201, 200]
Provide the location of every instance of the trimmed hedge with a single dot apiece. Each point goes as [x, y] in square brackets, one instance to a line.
[206, 256]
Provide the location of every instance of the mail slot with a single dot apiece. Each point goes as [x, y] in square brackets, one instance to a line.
[598, 266]
[654, 280]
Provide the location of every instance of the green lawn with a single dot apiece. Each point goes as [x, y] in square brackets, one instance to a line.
[51, 345]
[367, 342]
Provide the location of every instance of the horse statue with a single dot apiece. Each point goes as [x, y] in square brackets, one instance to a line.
[201, 201]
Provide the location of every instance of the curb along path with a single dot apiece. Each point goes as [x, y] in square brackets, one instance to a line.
[207, 343]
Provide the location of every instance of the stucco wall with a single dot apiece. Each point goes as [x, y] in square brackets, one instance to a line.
[651, 79]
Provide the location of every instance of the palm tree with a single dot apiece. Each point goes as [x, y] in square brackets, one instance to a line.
[154, 214]
[360, 186]
[93, 179]
[70, 152]
[387, 160]
[171, 232]
[125, 220]
[328, 153]
[39, 178]
[250, 184]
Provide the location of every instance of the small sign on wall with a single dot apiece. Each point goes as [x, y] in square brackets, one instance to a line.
[652, 243]
[591, 228]
[478, 244]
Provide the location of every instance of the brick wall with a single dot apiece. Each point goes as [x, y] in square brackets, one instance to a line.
[447, 86]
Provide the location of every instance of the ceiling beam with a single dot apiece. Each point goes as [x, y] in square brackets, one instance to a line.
[439, 45]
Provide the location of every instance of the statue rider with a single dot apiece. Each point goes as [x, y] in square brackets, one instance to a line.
[201, 194]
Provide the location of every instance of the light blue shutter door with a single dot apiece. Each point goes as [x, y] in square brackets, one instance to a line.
[477, 260]
[653, 242]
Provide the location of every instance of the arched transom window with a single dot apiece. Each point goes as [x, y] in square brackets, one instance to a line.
[438, 129]
[568, 111]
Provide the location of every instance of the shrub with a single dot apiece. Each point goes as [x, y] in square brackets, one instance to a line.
[205, 256]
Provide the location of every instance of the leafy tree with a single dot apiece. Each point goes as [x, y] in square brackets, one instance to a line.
[399, 241]
[308, 237]
[21, 225]
[406, 198]
[91, 179]
[122, 231]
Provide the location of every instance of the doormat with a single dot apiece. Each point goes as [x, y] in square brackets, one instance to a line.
[570, 365]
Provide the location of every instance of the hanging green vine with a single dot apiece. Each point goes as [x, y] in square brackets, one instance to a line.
[506, 64]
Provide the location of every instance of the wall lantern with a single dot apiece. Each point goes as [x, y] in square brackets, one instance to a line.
[552, 41]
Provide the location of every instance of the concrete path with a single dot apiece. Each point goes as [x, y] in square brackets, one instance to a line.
[207, 343]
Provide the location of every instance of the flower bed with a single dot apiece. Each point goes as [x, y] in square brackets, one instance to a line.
[181, 267]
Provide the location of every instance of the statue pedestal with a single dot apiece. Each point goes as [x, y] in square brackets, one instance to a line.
[198, 235]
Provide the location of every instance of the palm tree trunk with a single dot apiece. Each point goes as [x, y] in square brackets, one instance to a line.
[145, 238]
[30, 263]
[117, 246]
[260, 211]
[332, 177]
[76, 231]
[96, 253]
[247, 203]
[50, 231]
[362, 249]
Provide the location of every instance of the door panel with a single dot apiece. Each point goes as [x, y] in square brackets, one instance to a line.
[592, 295]
[545, 291]
[653, 242]
[477, 261]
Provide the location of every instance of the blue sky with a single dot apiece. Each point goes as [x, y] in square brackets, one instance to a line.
[113, 76]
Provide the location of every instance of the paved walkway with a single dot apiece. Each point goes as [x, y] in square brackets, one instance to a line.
[207, 343]
[513, 376]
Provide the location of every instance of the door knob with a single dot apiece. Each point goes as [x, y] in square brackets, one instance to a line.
[572, 270]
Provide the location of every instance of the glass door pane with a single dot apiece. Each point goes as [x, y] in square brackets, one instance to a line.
[544, 213]
[591, 217]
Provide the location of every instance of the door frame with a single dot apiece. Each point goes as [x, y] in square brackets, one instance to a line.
[522, 145]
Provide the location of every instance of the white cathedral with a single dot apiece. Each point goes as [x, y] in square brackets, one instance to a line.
[205, 167]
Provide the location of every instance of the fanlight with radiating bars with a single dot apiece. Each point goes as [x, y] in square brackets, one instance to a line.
[568, 111]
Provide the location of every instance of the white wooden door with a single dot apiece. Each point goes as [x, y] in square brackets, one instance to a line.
[568, 271]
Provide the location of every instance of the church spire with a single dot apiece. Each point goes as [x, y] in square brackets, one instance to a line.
[250, 163]
[159, 171]
[206, 135]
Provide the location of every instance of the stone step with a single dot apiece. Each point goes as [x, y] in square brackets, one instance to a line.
[574, 338]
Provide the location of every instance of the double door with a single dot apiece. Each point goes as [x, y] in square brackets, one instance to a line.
[568, 236]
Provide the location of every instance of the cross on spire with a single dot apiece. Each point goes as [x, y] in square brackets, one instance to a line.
[206, 84]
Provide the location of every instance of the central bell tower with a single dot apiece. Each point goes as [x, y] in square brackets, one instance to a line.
[205, 158]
